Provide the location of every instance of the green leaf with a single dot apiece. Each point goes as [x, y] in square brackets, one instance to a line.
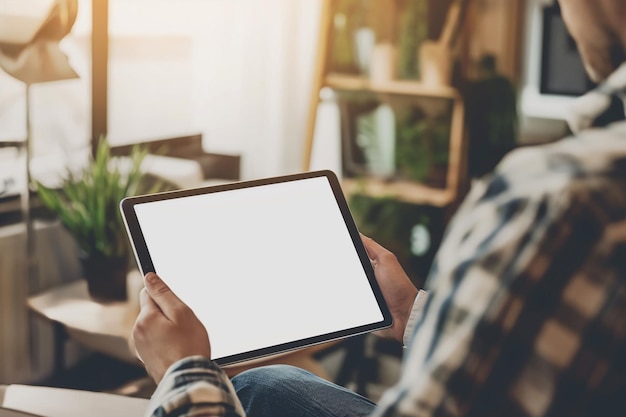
[87, 202]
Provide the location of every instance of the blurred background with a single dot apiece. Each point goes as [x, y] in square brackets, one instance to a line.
[408, 101]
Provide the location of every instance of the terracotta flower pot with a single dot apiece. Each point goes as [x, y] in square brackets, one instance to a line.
[106, 277]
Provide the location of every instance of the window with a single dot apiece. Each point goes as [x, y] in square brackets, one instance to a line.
[236, 72]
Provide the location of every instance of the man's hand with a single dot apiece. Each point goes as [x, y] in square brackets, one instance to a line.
[166, 329]
[397, 288]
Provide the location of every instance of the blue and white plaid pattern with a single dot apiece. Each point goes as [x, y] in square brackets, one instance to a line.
[526, 312]
[195, 386]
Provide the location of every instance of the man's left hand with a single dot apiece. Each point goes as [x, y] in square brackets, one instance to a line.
[166, 329]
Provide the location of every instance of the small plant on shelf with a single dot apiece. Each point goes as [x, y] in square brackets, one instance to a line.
[423, 147]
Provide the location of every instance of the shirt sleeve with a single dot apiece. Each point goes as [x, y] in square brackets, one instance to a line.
[195, 386]
[416, 313]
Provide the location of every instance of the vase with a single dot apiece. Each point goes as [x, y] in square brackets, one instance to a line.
[105, 276]
[364, 41]
[376, 135]
[382, 65]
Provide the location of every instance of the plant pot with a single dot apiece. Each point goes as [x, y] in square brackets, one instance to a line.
[106, 277]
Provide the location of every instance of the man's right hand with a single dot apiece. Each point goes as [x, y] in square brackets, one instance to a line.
[397, 288]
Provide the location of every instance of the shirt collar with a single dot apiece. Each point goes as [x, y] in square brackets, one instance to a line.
[588, 107]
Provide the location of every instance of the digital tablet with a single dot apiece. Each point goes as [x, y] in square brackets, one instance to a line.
[267, 266]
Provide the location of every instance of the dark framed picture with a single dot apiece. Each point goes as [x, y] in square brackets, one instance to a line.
[562, 69]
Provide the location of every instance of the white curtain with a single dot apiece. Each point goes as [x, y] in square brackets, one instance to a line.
[237, 71]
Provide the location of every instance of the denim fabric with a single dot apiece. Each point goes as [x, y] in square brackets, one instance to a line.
[287, 391]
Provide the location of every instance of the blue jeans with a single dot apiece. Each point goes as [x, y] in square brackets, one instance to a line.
[286, 391]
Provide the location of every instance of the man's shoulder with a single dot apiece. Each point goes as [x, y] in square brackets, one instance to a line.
[595, 153]
[566, 174]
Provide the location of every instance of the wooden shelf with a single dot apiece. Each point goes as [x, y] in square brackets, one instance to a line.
[384, 20]
[405, 191]
[404, 87]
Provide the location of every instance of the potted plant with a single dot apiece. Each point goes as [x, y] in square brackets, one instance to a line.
[423, 146]
[87, 204]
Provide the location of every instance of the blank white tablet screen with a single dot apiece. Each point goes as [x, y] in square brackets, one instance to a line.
[261, 266]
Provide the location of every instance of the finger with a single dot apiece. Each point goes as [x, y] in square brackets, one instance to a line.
[161, 295]
[148, 308]
[366, 243]
[145, 319]
[143, 297]
[147, 316]
[373, 249]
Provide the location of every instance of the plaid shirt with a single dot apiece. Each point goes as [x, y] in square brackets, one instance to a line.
[526, 306]
[195, 386]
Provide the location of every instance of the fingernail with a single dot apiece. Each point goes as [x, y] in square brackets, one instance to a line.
[151, 277]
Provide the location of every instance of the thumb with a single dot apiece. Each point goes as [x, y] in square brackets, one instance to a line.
[374, 249]
[162, 296]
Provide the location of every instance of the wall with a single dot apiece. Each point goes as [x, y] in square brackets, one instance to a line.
[238, 72]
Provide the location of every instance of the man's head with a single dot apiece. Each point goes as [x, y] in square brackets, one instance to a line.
[599, 28]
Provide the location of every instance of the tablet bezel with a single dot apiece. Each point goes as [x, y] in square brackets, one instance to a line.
[145, 263]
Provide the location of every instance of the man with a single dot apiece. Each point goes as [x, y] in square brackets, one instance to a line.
[526, 307]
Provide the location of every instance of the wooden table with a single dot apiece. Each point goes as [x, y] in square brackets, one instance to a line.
[106, 328]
